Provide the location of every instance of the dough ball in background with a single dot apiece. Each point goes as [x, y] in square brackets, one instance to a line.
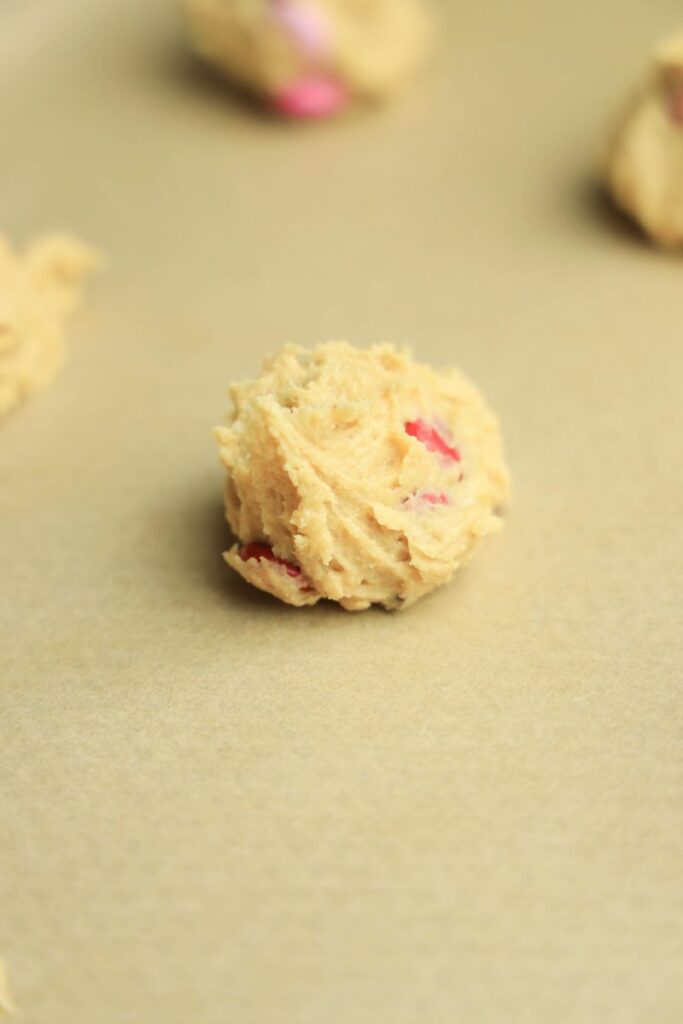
[359, 476]
[312, 58]
[644, 164]
[38, 291]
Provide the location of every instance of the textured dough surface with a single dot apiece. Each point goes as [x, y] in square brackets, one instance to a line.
[644, 166]
[371, 46]
[358, 475]
[38, 291]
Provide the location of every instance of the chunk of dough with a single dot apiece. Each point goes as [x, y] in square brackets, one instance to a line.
[358, 475]
[311, 57]
[644, 166]
[37, 293]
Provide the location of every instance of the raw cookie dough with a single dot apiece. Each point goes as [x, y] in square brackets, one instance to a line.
[644, 166]
[358, 475]
[37, 293]
[310, 58]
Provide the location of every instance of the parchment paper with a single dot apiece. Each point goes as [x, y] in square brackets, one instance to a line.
[218, 809]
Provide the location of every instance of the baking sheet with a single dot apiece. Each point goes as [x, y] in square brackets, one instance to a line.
[216, 808]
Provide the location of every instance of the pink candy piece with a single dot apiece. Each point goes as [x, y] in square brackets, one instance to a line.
[432, 498]
[258, 550]
[432, 439]
[316, 95]
[421, 500]
[304, 23]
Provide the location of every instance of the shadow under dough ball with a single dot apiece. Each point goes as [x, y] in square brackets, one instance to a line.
[312, 58]
[360, 476]
[644, 164]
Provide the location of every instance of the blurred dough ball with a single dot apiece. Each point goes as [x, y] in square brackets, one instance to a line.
[309, 58]
[38, 291]
[644, 166]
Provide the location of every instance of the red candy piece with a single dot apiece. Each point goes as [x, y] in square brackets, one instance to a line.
[431, 438]
[258, 550]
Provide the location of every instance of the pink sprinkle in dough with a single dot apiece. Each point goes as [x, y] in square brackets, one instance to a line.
[421, 500]
[430, 437]
[316, 95]
[259, 550]
[306, 24]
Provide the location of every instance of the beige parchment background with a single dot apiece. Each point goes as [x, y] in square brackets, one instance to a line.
[217, 809]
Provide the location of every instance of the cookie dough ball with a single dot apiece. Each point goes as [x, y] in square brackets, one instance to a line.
[358, 475]
[310, 58]
[38, 291]
[644, 167]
